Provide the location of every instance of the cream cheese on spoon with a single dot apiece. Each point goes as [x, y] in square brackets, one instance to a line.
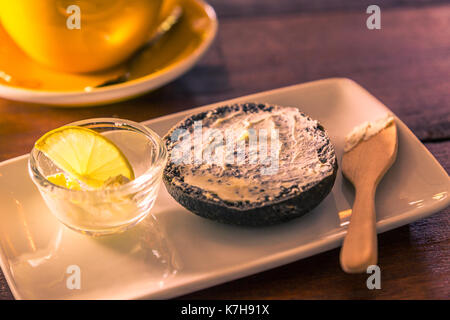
[366, 130]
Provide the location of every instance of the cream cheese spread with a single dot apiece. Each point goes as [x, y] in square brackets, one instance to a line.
[305, 156]
[366, 130]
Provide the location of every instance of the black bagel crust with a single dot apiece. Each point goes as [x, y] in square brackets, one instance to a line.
[283, 208]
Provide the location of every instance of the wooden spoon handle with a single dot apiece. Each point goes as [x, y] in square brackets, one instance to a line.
[359, 249]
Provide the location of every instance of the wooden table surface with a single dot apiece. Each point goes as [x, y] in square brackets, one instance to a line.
[266, 44]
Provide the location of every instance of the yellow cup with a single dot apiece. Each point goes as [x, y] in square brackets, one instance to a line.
[80, 35]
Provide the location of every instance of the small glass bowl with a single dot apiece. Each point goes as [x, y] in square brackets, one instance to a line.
[111, 210]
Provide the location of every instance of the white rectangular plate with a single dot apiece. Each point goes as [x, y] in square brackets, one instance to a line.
[174, 252]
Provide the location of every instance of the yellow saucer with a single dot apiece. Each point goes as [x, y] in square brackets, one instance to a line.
[22, 79]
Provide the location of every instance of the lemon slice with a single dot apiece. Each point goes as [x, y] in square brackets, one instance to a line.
[85, 155]
[65, 181]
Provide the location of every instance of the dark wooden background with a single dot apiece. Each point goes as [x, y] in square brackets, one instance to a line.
[265, 44]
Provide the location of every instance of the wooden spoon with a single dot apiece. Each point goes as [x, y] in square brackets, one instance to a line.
[364, 166]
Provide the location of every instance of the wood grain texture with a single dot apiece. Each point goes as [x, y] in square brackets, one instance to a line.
[265, 44]
[240, 8]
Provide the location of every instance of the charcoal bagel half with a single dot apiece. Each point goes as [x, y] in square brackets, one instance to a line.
[238, 193]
